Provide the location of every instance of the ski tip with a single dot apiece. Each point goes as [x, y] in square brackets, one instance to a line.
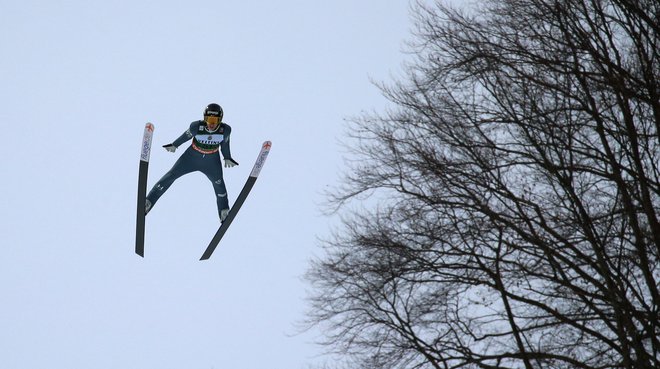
[267, 145]
[149, 127]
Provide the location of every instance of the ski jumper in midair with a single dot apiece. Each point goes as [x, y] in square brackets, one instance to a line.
[209, 137]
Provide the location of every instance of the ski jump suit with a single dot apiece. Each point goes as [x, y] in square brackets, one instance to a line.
[201, 156]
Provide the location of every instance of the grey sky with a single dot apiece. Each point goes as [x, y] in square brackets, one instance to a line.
[78, 81]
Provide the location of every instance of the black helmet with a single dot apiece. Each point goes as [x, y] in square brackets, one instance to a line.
[213, 110]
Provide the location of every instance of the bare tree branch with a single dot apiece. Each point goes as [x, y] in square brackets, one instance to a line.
[514, 191]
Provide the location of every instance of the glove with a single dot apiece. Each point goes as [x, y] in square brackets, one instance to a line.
[230, 163]
[170, 147]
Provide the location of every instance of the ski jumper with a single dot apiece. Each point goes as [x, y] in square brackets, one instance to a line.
[201, 156]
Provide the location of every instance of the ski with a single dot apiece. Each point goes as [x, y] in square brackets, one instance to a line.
[142, 188]
[261, 159]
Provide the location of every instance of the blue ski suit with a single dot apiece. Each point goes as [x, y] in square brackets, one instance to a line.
[201, 156]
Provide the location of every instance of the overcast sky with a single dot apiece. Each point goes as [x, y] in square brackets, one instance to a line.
[78, 81]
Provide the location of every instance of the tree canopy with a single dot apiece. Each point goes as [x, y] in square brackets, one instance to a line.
[518, 190]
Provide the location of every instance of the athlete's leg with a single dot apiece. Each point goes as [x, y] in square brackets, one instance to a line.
[182, 166]
[212, 168]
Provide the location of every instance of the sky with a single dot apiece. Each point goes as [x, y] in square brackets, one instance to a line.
[78, 81]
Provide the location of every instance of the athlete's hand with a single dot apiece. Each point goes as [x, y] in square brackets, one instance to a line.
[170, 147]
[230, 163]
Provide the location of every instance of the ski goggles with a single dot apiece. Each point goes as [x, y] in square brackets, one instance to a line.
[209, 119]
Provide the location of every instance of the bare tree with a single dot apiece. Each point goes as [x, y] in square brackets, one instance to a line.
[516, 192]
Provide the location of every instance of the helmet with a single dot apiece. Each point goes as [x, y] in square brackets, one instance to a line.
[214, 110]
